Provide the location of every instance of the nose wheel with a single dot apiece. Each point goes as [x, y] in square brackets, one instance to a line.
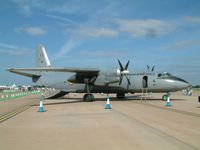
[164, 97]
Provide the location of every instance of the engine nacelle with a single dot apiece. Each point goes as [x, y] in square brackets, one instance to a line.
[106, 80]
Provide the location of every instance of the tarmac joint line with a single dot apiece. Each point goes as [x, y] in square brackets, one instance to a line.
[157, 131]
[14, 113]
[171, 109]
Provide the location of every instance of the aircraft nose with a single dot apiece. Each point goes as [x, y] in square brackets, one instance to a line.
[182, 84]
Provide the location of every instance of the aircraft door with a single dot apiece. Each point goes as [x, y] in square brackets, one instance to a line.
[145, 82]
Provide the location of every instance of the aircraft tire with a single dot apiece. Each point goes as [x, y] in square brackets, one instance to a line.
[164, 97]
[88, 98]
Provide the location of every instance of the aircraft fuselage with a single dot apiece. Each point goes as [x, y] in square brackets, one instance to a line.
[154, 83]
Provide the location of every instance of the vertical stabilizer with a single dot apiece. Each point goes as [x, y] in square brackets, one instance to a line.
[42, 59]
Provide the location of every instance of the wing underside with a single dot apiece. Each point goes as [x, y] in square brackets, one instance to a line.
[31, 72]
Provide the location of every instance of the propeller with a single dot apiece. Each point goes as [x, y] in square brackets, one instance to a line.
[123, 71]
[152, 69]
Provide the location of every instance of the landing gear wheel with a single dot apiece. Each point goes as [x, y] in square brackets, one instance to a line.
[164, 97]
[88, 98]
[120, 95]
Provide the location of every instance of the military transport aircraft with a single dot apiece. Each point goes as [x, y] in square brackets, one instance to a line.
[91, 80]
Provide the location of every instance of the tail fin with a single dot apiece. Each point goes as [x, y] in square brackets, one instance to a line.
[42, 59]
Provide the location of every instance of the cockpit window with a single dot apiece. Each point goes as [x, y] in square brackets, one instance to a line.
[164, 74]
[168, 74]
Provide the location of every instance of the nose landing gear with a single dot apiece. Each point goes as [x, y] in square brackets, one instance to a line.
[164, 97]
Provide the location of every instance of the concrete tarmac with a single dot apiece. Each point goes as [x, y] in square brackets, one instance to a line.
[69, 123]
[10, 105]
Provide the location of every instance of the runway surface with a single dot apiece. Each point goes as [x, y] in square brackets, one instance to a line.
[69, 123]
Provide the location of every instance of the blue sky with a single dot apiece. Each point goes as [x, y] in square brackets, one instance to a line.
[91, 33]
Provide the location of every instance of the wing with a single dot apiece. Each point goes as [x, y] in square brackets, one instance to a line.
[91, 71]
[23, 72]
[79, 77]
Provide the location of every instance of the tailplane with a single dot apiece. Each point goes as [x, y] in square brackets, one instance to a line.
[42, 59]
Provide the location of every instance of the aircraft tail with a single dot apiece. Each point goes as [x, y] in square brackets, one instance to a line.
[42, 59]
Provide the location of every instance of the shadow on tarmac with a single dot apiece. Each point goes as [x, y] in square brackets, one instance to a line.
[80, 100]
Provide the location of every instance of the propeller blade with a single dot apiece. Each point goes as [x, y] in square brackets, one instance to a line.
[120, 81]
[153, 69]
[148, 67]
[128, 80]
[121, 67]
[126, 67]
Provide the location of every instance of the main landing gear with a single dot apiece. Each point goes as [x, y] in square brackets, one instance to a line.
[88, 97]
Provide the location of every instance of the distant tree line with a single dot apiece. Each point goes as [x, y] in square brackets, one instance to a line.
[196, 86]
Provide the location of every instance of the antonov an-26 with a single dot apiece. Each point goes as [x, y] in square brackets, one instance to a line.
[90, 80]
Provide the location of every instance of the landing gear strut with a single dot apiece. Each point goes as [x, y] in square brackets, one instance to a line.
[88, 97]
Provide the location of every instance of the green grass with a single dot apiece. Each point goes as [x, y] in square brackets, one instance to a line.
[196, 89]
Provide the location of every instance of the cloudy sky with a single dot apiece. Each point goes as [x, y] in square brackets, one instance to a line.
[91, 33]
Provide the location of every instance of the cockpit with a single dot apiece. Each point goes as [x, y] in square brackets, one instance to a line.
[165, 74]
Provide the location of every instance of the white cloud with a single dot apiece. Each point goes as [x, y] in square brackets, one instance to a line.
[147, 27]
[95, 32]
[34, 31]
[91, 9]
[82, 32]
[103, 53]
[60, 18]
[66, 48]
[13, 50]
[8, 46]
[192, 19]
[70, 7]
[182, 45]
[24, 6]
[26, 10]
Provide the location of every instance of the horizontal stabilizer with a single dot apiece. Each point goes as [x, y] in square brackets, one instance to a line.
[21, 72]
